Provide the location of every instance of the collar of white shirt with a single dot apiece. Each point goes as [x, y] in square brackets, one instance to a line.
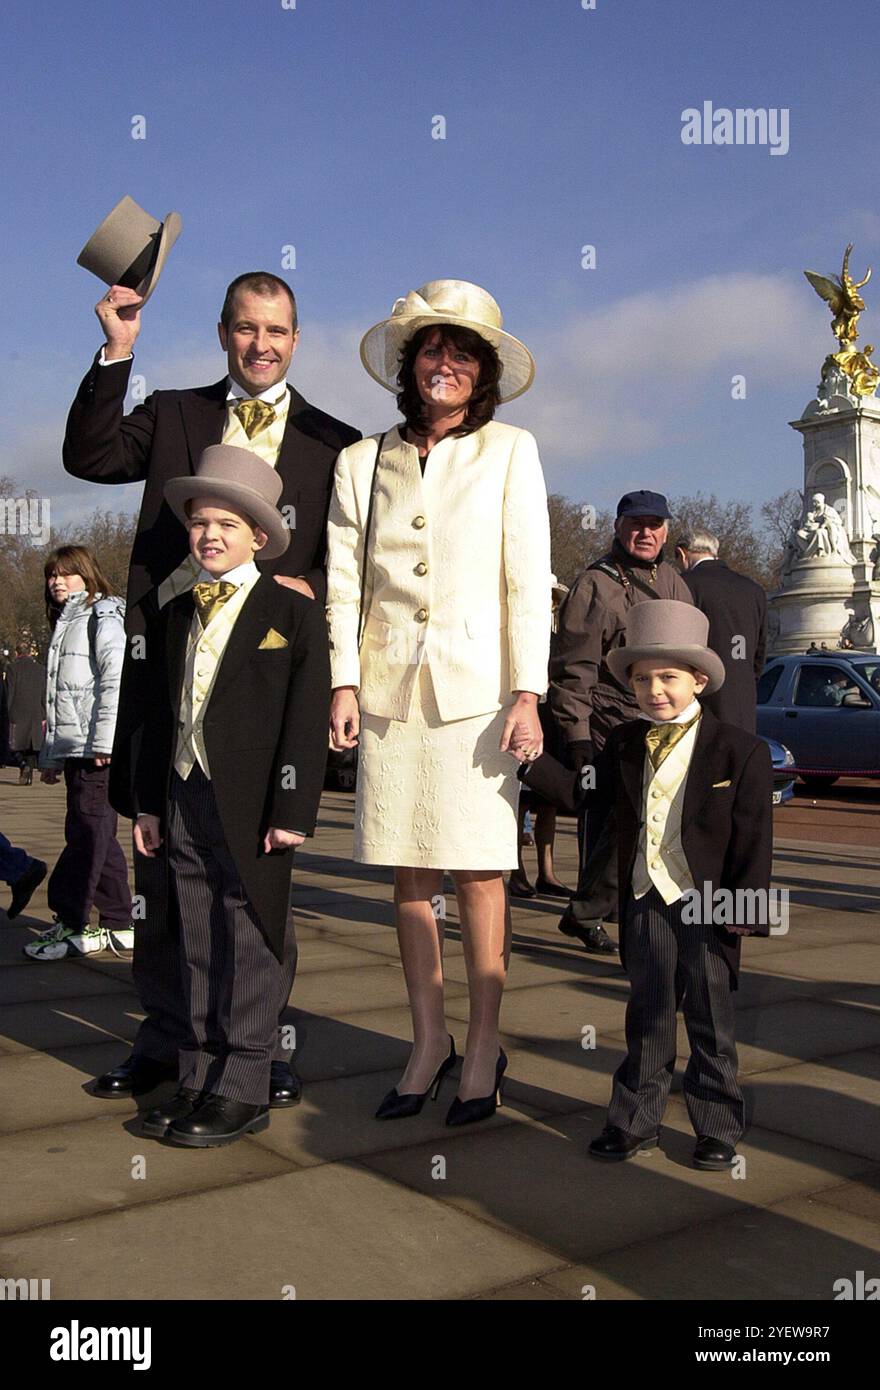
[274, 395]
[693, 709]
[238, 576]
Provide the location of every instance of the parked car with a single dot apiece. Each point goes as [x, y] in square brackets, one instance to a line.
[826, 709]
[783, 777]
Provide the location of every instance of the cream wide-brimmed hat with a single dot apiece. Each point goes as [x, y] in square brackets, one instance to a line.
[130, 247]
[667, 630]
[446, 301]
[244, 480]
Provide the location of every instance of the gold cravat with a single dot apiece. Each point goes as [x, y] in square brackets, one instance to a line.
[662, 738]
[210, 597]
[254, 416]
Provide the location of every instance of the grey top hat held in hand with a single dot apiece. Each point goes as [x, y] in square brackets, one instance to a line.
[667, 631]
[245, 482]
[446, 301]
[130, 247]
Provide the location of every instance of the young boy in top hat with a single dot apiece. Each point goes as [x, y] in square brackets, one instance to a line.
[693, 799]
[229, 777]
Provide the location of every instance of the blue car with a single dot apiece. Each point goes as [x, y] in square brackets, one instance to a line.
[826, 709]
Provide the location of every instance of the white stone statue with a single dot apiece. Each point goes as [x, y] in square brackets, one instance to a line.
[821, 534]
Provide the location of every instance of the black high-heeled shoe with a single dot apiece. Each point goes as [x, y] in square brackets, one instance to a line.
[399, 1107]
[519, 888]
[547, 889]
[467, 1112]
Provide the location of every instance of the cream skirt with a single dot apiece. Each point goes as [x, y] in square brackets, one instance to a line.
[435, 795]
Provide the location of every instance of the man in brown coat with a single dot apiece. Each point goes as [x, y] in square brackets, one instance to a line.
[584, 696]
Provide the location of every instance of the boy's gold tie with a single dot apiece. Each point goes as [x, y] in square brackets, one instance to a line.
[210, 597]
[254, 416]
[662, 738]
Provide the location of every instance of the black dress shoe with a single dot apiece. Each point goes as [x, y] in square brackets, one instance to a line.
[713, 1154]
[551, 890]
[468, 1112]
[136, 1076]
[285, 1087]
[614, 1145]
[519, 887]
[400, 1107]
[594, 937]
[182, 1103]
[217, 1121]
[24, 887]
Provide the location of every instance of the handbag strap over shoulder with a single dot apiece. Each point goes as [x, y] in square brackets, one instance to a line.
[624, 578]
[382, 438]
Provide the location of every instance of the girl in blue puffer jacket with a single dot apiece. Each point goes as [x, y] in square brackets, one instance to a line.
[82, 692]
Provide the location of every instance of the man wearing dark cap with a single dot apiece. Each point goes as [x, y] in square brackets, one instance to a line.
[586, 699]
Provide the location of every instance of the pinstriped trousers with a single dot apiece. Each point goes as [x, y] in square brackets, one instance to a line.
[671, 964]
[231, 979]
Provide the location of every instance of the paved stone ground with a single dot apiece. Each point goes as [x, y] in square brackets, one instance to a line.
[343, 1207]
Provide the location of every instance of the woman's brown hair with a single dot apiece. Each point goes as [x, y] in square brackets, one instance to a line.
[75, 559]
[486, 397]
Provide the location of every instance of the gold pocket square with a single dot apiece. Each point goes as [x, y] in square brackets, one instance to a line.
[721, 784]
[272, 641]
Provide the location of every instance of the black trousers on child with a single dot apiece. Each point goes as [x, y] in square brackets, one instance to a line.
[91, 870]
[671, 964]
[232, 981]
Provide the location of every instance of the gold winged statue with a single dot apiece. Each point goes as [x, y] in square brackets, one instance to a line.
[842, 294]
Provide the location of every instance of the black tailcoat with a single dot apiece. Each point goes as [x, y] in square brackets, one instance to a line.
[726, 830]
[265, 731]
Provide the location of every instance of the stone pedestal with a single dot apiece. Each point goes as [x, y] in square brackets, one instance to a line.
[825, 598]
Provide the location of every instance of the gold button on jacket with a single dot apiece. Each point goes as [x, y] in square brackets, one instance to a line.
[476, 579]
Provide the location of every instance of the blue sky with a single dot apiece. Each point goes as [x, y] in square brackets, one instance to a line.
[311, 127]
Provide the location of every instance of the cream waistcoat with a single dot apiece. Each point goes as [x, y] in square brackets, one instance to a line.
[204, 648]
[660, 859]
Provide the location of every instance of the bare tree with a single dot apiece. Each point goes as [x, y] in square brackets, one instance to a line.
[781, 514]
[578, 536]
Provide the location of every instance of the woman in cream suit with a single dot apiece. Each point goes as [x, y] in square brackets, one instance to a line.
[438, 575]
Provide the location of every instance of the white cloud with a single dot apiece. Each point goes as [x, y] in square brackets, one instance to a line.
[621, 377]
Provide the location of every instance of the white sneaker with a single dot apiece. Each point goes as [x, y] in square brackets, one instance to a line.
[120, 940]
[61, 941]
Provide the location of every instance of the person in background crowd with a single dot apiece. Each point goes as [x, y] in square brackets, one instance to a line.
[543, 812]
[737, 611]
[22, 872]
[586, 698]
[26, 703]
[82, 690]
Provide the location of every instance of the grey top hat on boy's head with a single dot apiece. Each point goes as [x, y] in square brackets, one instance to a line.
[666, 630]
[244, 481]
[130, 247]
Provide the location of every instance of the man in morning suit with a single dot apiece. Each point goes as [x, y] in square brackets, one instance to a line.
[737, 611]
[692, 800]
[228, 778]
[253, 406]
